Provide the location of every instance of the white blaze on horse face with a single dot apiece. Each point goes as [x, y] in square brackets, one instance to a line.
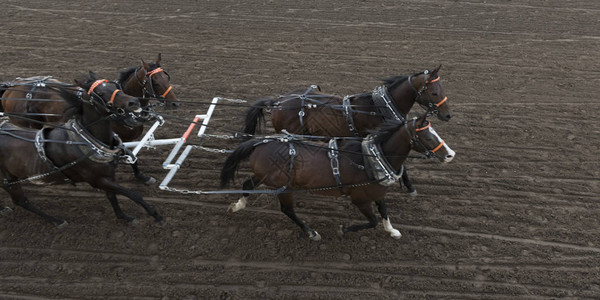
[387, 225]
[450, 156]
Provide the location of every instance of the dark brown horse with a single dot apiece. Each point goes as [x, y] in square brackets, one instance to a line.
[33, 102]
[314, 113]
[84, 149]
[361, 170]
[148, 81]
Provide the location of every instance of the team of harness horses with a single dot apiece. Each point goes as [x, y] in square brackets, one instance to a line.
[54, 132]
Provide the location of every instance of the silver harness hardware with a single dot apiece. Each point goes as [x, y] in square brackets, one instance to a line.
[347, 111]
[376, 165]
[101, 153]
[333, 154]
[385, 105]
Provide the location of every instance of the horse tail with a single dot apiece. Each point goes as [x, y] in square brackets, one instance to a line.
[255, 115]
[241, 153]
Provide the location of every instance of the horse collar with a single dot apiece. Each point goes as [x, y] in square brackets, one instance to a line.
[102, 153]
[385, 104]
[376, 165]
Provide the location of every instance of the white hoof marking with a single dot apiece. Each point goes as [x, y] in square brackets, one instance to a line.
[387, 225]
[239, 205]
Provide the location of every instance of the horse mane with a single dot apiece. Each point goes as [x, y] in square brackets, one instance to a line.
[123, 75]
[385, 130]
[74, 103]
[395, 80]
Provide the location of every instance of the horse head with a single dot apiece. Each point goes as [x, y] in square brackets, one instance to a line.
[432, 97]
[425, 140]
[425, 88]
[157, 83]
[106, 98]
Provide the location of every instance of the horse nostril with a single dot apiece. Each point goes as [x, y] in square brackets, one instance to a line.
[175, 104]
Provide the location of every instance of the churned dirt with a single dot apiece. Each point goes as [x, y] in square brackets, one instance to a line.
[515, 215]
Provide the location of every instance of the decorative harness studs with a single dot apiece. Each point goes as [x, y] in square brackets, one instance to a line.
[333, 154]
[347, 111]
[376, 165]
[385, 104]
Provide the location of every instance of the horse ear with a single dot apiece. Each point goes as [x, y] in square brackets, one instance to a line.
[158, 59]
[435, 71]
[145, 65]
[93, 76]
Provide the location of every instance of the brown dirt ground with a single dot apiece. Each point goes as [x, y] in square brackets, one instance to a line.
[513, 216]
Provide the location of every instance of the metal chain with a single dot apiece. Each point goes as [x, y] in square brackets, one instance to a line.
[220, 136]
[185, 192]
[213, 150]
[200, 192]
[55, 171]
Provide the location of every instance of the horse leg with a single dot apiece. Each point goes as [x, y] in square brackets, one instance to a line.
[110, 186]
[409, 186]
[367, 210]
[112, 197]
[287, 207]
[241, 203]
[147, 180]
[387, 225]
[18, 198]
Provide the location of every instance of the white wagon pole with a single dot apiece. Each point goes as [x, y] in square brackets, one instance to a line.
[148, 139]
[174, 167]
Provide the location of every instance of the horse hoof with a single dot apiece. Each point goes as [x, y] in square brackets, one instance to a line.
[315, 236]
[160, 223]
[6, 211]
[133, 222]
[158, 218]
[62, 225]
[233, 207]
[150, 181]
[396, 234]
[413, 193]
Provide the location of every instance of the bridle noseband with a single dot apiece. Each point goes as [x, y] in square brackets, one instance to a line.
[98, 102]
[414, 139]
[428, 105]
[148, 79]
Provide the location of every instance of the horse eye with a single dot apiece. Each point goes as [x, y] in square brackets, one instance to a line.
[434, 94]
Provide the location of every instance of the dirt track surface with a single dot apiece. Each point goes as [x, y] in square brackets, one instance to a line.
[515, 215]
